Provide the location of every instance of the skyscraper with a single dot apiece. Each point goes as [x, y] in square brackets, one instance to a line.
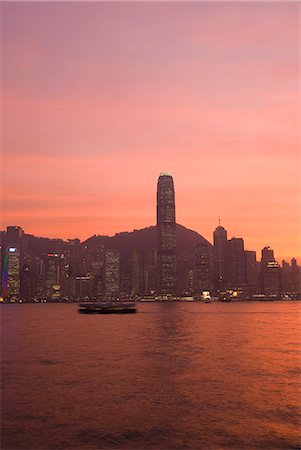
[202, 269]
[235, 271]
[267, 255]
[12, 262]
[166, 229]
[52, 275]
[219, 240]
[112, 273]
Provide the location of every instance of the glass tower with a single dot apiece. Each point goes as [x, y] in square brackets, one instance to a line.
[166, 229]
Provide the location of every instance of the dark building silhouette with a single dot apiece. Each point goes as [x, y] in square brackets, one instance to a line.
[295, 277]
[143, 271]
[271, 277]
[202, 279]
[252, 280]
[235, 274]
[219, 241]
[166, 230]
[267, 255]
[112, 273]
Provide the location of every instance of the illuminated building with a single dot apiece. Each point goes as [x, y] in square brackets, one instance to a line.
[11, 272]
[219, 241]
[202, 269]
[112, 273]
[12, 261]
[52, 275]
[166, 231]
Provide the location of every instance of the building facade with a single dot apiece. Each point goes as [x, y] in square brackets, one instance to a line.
[166, 234]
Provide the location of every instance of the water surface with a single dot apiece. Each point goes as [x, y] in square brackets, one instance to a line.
[172, 376]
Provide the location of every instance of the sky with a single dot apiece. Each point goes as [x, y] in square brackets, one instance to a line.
[100, 97]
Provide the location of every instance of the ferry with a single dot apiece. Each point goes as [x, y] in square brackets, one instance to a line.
[107, 308]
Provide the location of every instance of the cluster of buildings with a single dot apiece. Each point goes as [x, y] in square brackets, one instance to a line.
[33, 269]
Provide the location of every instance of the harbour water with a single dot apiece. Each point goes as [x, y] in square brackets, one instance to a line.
[172, 376]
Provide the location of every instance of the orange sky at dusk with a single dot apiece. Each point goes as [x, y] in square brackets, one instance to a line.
[99, 98]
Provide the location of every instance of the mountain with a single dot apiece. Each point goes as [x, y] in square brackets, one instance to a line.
[146, 238]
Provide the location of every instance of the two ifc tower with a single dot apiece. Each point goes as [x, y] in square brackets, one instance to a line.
[166, 228]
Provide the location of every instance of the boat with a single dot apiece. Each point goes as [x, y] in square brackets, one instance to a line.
[107, 308]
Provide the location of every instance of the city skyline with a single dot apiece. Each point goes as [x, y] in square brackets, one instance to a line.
[94, 112]
[160, 211]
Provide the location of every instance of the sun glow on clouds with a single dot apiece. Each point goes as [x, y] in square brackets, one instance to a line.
[99, 98]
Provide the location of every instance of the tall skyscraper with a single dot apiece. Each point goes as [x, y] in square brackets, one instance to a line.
[219, 241]
[166, 229]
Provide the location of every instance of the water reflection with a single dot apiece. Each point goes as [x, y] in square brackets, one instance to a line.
[173, 376]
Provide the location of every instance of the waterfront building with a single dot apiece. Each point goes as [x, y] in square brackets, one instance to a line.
[11, 272]
[166, 234]
[26, 279]
[2, 249]
[267, 255]
[235, 271]
[112, 273]
[83, 286]
[11, 281]
[272, 279]
[295, 278]
[143, 271]
[52, 275]
[202, 280]
[285, 276]
[219, 242]
[252, 280]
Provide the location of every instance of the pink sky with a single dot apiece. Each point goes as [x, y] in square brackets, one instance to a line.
[99, 98]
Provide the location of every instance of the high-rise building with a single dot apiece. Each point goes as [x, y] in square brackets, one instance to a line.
[52, 275]
[235, 272]
[2, 249]
[26, 288]
[219, 241]
[11, 272]
[267, 255]
[295, 278]
[143, 273]
[251, 269]
[112, 273]
[272, 279]
[11, 280]
[202, 269]
[166, 230]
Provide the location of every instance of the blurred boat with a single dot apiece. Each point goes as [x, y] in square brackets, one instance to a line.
[107, 308]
